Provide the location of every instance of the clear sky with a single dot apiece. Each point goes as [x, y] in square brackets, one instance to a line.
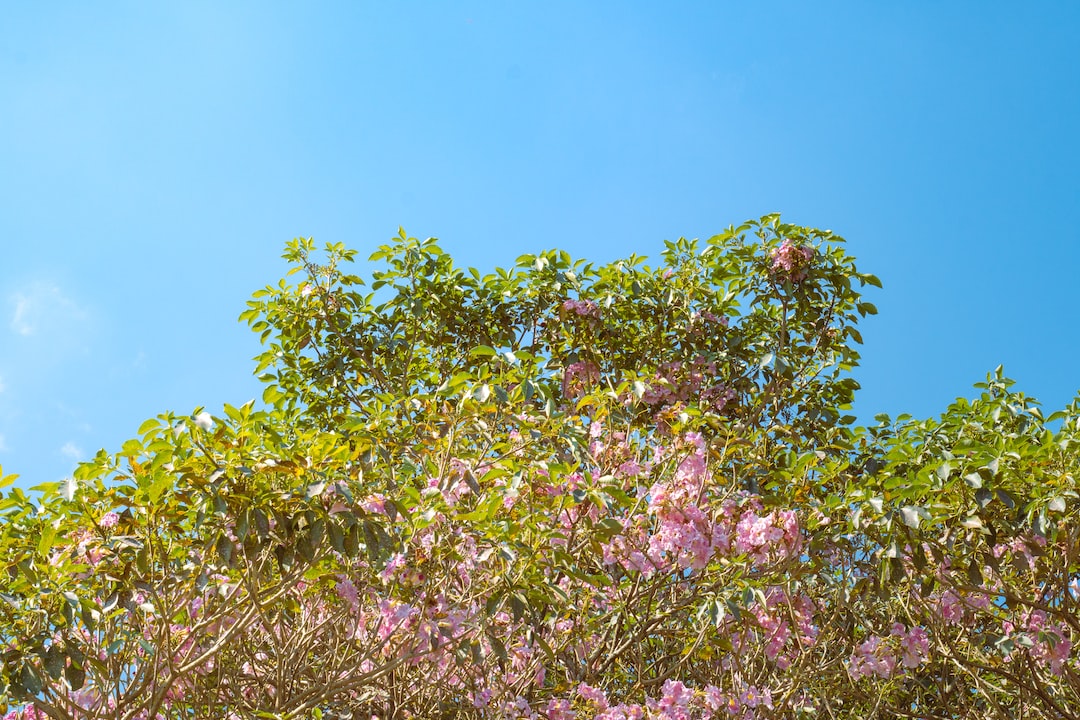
[154, 158]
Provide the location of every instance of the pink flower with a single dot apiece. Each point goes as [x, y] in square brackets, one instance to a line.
[374, 504]
[675, 694]
[578, 379]
[914, 645]
[1058, 648]
[559, 710]
[752, 697]
[346, 590]
[593, 695]
[950, 608]
[791, 260]
[583, 308]
[872, 658]
[392, 566]
[714, 699]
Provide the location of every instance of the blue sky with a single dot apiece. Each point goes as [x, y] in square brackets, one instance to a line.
[155, 157]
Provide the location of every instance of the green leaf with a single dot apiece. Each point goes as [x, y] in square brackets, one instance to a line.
[149, 426]
[75, 674]
[608, 528]
[225, 548]
[1005, 645]
[272, 394]
[713, 611]
[1007, 498]
[159, 486]
[518, 606]
[29, 683]
[45, 541]
[498, 648]
[972, 522]
[974, 572]
[53, 661]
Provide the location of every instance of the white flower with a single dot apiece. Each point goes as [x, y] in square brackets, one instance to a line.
[204, 420]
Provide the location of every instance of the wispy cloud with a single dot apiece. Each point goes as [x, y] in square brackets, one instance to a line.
[71, 450]
[42, 306]
[2, 385]
[3, 443]
[20, 322]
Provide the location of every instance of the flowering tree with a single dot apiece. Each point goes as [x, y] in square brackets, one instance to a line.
[557, 491]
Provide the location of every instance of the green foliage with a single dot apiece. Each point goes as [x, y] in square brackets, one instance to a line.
[550, 488]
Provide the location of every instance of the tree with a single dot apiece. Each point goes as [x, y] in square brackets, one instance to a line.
[557, 491]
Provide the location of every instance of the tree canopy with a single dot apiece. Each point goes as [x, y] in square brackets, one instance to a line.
[558, 490]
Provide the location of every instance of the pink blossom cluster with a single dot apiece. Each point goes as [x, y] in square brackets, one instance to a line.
[613, 450]
[878, 655]
[791, 260]
[684, 530]
[452, 486]
[684, 533]
[708, 317]
[399, 629]
[89, 698]
[1020, 549]
[687, 531]
[582, 308]
[85, 546]
[579, 378]
[1049, 644]
[787, 625]
[679, 382]
[950, 608]
[27, 713]
[677, 701]
[375, 504]
[769, 537]
[872, 657]
[914, 645]
[705, 323]
[955, 608]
